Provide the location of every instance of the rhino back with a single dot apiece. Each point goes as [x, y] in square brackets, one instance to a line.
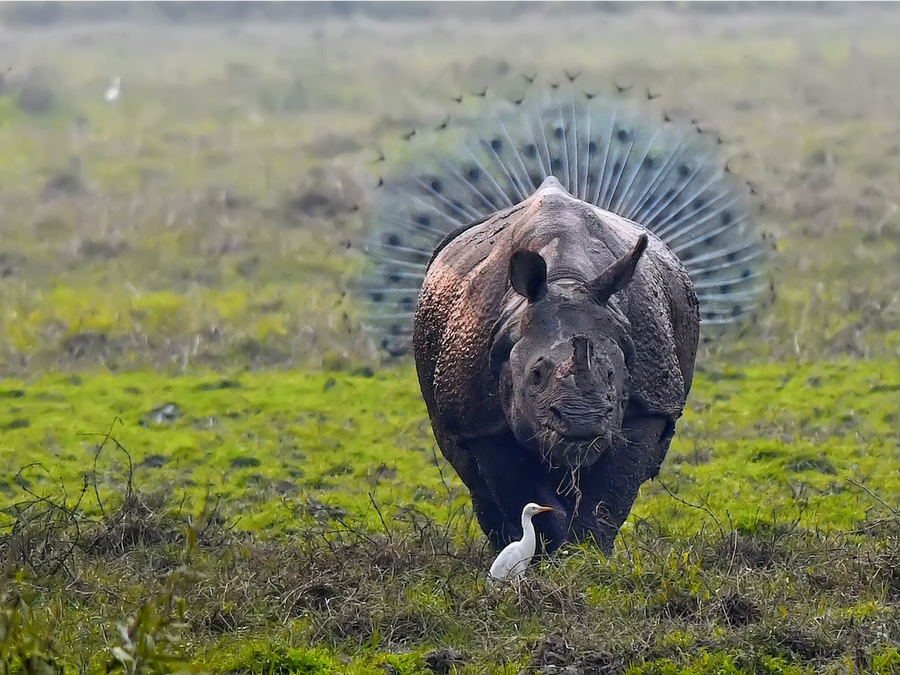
[466, 293]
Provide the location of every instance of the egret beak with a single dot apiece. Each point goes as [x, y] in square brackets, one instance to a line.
[545, 508]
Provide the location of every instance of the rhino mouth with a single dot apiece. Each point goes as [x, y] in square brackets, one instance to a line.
[573, 451]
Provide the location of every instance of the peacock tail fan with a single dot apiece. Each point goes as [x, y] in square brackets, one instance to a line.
[665, 175]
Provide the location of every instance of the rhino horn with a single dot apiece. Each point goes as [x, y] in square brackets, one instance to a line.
[581, 356]
[616, 277]
[528, 274]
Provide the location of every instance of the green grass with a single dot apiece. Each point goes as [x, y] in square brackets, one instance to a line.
[271, 489]
[194, 245]
[789, 442]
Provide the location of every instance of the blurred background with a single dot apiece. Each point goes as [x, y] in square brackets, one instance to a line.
[185, 183]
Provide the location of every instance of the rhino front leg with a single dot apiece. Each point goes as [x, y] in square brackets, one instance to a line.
[610, 487]
[487, 511]
[514, 478]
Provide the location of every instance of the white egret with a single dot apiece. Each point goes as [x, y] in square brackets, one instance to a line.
[112, 93]
[513, 559]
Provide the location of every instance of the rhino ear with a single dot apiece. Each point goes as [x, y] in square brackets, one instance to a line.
[528, 274]
[616, 277]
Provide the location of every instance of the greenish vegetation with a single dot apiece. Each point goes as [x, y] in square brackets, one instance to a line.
[205, 466]
[768, 441]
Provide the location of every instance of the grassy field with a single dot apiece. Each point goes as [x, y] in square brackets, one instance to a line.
[205, 466]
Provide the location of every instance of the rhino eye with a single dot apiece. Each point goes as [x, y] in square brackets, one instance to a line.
[536, 373]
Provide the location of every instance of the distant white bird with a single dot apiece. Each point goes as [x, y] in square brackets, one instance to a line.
[112, 93]
[514, 559]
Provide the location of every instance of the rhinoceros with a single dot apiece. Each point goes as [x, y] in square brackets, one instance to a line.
[549, 268]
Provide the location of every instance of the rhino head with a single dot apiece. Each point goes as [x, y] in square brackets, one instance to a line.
[565, 381]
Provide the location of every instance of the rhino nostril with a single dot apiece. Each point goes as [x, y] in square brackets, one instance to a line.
[556, 414]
